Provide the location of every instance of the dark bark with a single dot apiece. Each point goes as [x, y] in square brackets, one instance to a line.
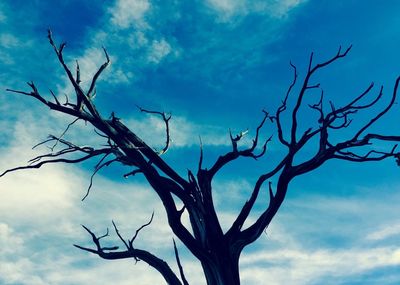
[224, 270]
[218, 252]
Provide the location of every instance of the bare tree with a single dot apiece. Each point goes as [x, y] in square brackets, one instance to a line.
[217, 251]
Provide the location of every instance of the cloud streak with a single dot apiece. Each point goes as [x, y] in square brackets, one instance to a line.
[127, 13]
[203, 46]
[184, 133]
[41, 214]
[231, 10]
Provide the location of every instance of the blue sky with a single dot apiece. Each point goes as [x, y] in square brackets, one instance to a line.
[214, 64]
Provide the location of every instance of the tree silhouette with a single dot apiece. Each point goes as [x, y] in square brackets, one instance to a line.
[217, 251]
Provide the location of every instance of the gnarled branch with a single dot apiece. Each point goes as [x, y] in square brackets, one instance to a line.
[111, 253]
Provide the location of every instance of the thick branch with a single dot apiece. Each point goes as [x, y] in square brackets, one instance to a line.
[138, 254]
[247, 207]
[253, 232]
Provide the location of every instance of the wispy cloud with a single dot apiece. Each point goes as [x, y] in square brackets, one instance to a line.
[8, 44]
[385, 232]
[159, 50]
[312, 267]
[183, 132]
[313, 240]
[124, 25]
[41, 214]
[10, 238]
[231, 10]
[295, 246]
[281, 9]
[3, 17]
[127, 13]
[43, 205]
[8, 40]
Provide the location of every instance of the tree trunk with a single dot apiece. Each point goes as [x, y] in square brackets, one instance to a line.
[223, 272]
[223, 266]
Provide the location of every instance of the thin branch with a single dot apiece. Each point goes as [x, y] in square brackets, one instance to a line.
[201, 155]
[139, 229]
[283, 107]
[55, 97]
[236, 153]
[384, 111]
[319, 107]
[132, 173]
[306, 86]
[97, 168]
[336, 57]
[178, 261]
[237, 138]
[119, 235]
[65, 108]
[64, 132]
[110, 253]
[361, 96]
[96, 76]
[166, 119]
[78, 73]
[81, 98]
[59, 160]
[34, 93]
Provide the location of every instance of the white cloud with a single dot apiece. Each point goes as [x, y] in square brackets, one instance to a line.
[279, 8]
[89, 64]
[41, 214]
[158, 50]
[119, 76]
[229, 10]
[228, 7]
[183, 132]
[8, 44]
[47, 197]
[6, 58]
[149, 48]
[137, 40]
[129, 12]
[8, 40]
[3, 17]
[12, 241]
[385, 232]
[308, 266]
[294, 251]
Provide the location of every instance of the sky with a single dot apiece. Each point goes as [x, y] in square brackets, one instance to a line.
[214, 65]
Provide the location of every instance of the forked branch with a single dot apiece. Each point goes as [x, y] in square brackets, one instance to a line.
[111, 253]
[329, 121]
[236, 152]
[306, 86]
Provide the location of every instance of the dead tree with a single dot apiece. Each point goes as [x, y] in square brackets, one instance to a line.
[217, 251]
